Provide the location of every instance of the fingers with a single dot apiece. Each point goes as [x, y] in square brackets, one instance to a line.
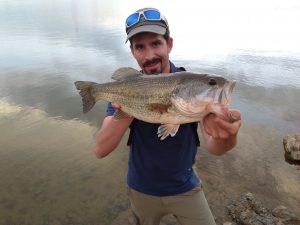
[232, 123]
[115, 105]
[119, 114]
[212, 128]
[220, 127]
[234, 115]
[230, 128]
[207, 123]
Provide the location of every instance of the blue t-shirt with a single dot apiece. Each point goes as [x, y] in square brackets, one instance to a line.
[161, 167]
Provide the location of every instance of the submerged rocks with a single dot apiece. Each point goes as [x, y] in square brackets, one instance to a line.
[291, 144]
[246, 210]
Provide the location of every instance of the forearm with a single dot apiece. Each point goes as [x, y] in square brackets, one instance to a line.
[110, 135]
[220, 146]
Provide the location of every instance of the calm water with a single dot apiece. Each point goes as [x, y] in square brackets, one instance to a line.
[49, 174]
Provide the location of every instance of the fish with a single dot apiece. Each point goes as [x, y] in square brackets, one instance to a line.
[168, 99]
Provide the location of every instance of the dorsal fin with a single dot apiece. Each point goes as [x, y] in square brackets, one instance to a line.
[125, 72]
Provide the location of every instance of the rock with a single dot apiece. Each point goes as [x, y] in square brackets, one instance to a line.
[291, 144]
[246, 210]
[283, 213]
[229, 223]
[168, 220]
[128, 218]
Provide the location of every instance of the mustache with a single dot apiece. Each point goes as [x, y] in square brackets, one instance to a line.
[152, 61]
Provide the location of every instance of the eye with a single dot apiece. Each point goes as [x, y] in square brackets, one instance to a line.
[212, 81]
[156, 43]
[138, 47]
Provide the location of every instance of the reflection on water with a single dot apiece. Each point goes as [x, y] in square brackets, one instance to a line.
[49, 174]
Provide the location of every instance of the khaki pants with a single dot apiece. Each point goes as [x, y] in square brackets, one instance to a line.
[190, 208]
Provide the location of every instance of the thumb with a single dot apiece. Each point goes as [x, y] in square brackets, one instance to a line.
[234, 115]
[115, 105]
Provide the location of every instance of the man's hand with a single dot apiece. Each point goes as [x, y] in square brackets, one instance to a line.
[222, 127]
[119, 113]
[220, 132]
[116, 105]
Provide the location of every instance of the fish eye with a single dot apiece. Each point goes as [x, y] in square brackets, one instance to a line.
[212, 81]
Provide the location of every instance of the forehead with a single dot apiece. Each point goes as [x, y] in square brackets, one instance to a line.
[146, 37]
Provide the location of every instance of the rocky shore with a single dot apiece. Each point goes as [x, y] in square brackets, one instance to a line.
[245, 210]
[291, 144]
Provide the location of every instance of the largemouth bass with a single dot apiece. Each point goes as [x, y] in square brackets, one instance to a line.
[167, 99]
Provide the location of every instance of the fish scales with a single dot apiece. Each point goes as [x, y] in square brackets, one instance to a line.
[140, 89]
[169, 99]
[134, 95]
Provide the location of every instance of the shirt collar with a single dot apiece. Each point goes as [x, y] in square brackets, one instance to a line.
[172, 67]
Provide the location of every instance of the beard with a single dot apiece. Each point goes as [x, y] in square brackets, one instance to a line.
[155, 62]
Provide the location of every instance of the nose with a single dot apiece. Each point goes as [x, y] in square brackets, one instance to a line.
[149, 54]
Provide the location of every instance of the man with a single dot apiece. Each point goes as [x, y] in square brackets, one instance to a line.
[161, 179]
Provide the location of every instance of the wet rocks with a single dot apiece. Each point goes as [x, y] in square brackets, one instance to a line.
[246, 210]
[284, 214]
[291, 144]
[166, 220]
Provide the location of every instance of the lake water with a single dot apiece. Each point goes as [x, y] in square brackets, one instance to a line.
[49, 174]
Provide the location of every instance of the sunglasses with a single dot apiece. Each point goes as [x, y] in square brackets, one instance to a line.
[149, 14]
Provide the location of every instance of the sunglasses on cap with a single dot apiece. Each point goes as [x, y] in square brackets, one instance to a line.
[149, 14]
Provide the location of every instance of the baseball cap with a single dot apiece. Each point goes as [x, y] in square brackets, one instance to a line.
[146, 20]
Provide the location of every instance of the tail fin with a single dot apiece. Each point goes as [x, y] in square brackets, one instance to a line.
[88, 100]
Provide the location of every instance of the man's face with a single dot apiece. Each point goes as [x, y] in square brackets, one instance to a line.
[151, 52]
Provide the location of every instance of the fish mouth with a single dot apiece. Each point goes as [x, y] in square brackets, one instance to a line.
[223, 95]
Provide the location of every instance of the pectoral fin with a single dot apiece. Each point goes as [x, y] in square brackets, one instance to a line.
[165, 130]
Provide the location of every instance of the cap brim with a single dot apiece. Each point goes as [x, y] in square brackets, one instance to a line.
[147, 28]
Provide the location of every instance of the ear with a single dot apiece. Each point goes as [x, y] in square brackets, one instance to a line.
[170, 44]
[131, 49]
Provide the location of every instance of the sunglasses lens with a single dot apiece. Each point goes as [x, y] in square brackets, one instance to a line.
[152, 15]
[132, 19]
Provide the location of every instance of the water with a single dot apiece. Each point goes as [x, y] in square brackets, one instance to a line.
[49, 174]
